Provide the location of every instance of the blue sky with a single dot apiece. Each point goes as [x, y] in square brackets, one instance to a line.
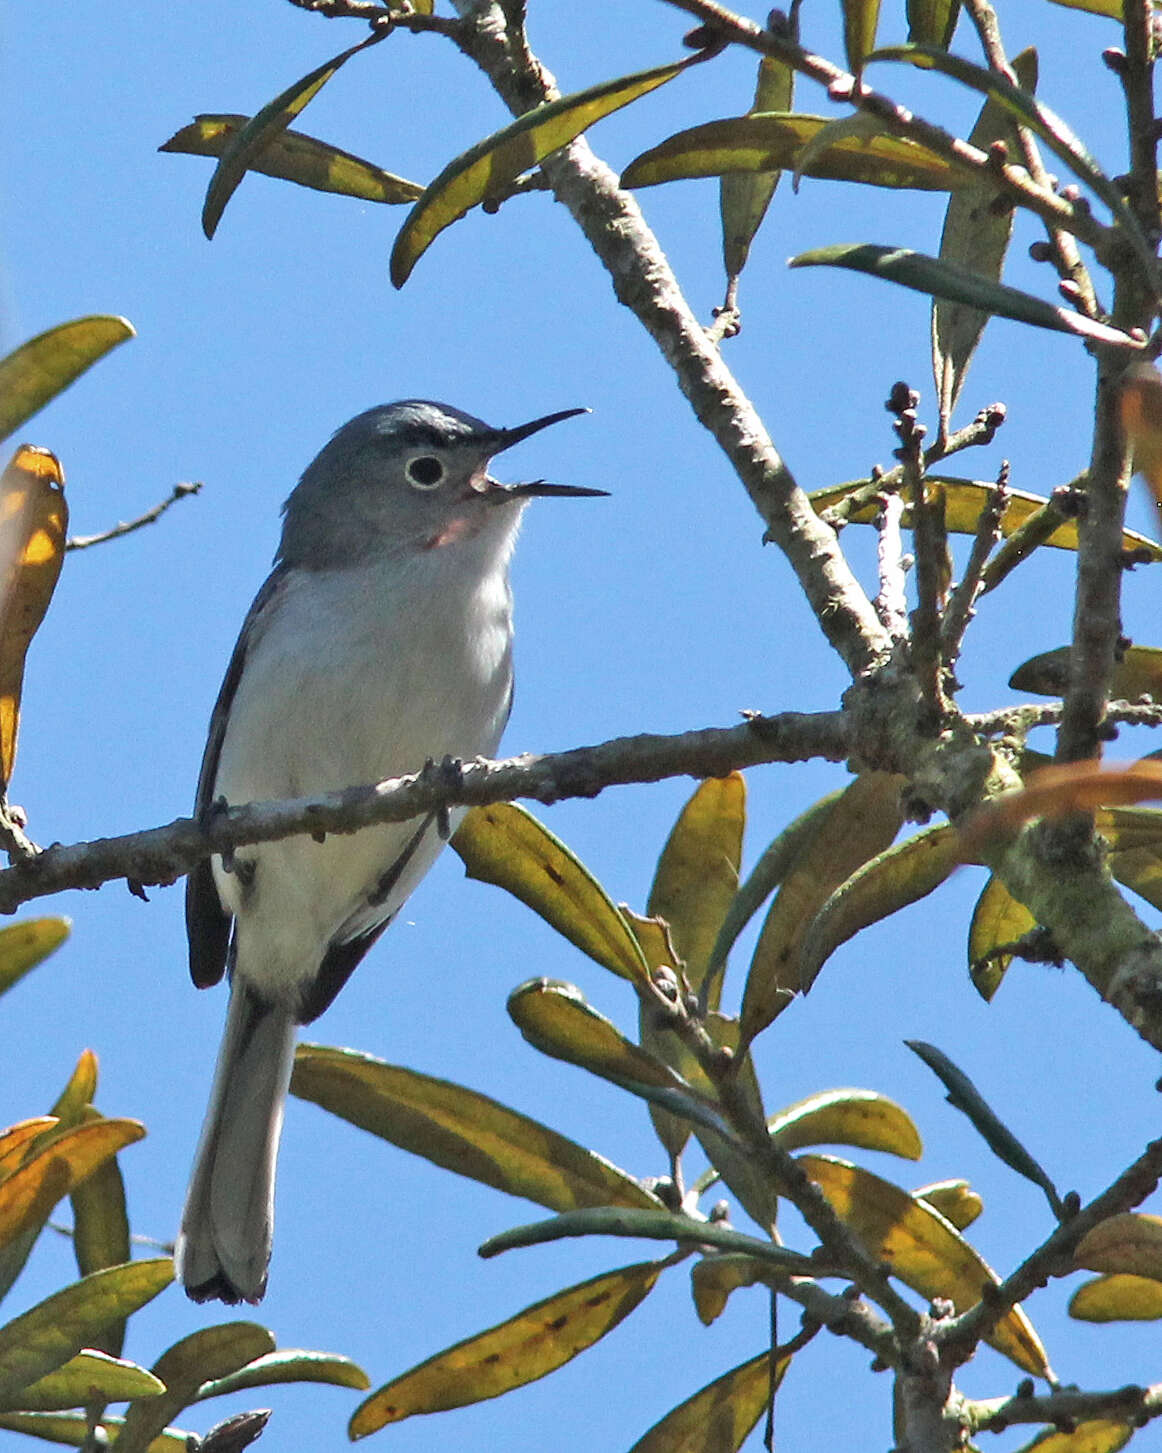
[654, 610]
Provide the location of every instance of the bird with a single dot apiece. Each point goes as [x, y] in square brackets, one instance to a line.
[381, 642]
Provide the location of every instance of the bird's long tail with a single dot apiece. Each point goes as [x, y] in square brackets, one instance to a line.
[223, 1248]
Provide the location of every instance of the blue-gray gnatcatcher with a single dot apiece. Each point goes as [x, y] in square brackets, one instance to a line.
[382, 640]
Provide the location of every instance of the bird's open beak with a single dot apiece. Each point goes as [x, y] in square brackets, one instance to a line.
[506, 438]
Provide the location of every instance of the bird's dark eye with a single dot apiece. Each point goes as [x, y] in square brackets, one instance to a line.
[424, 471]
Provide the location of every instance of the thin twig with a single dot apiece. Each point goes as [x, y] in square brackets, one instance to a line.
[180, 491]
[962, 601]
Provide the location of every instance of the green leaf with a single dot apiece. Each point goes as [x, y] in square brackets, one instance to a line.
[720, 1417]
[1120, 1297]
[848, 1117]
[209, 1353]
[294, 1364]
[962, 500]
[860, 824]
[976, 236]
[890, 881]
[84, 1379]
[461, 1130]
[756, 145]
[1029, 112]
[555, 1018]
[507, 846]
[72, 1429]
[860, 20]
[486, 169]
[743, 200]
[1111, 9]
[292, 156]
[43, 367]
[924, 274]
[526, 1347]
[964, 1096]
[45, 1337]
[932, 22]
[26, 944]
[924, 1250]
[252, 141]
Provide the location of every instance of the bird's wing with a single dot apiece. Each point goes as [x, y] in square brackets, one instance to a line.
[208, 925]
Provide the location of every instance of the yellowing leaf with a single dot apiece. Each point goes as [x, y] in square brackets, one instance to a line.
[890, 881]
[486, 169]
[82, 1380]
[1098, 1435]
[922, 1249]
[16, 1141]
[33, 521]
[998, 920]
[1111, 9]
[26, 944]
[848, 1117]
[1137, 673]
[505, 845]
[256, 135]
[528, 1346]
[45, 366]
[1131, 1242]
[955, 1200]
[769, 141]
[293, 156]
[45, 1337]
[863, 821]
[1120, 1297]
[461, 1130]
[963, 500]
[713, 1278]
[718, 1419]
[209, 1353]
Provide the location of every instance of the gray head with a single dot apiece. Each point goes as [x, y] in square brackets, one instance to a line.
[405, 477]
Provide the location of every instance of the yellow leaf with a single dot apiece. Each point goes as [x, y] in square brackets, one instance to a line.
[848, 1117]
[528, 1346]
[719, 1418]
[1138, 672]
[43, 367]
[293, 156]
[713, 1278]
[924, 1250]
[17, 1139]
[82, 1380]
[57, 1163]
[1120, 1297]
[1099, 1435]
[505, 845]
[486, 169]
[1131, 1242]
[954, 1199]
[33, 521]
[26, 944]
[997, 920]
[461, 1130]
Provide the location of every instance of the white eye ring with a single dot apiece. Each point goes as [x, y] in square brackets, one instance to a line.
[424, 471]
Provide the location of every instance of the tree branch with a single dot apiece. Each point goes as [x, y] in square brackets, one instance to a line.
[126, 527]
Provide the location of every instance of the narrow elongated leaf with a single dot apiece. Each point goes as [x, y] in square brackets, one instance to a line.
[962, 501]
[101, 1229]
[293, 156]
[253, 138]
[1136, 674]
[555, 1018]
[1052, 130]
[17, 1141]
[1095, 1435]
[80, 1091]
[759, 144]
[976, 236]
[487, 168]
[33, 521]
[743, 200]
[861, 824]
[293, 1364]
[894, 878]
[44, 1338]
[932, 22]
[1111, 9]
[208, 1353]
[526, 1347]
[924, 274]
[848, 1117]
[24, 945]
[964, 1096]
[461, 1130]
[720, 1417]
[72, 1430]
[82, 1380]
[924, 1250]
[505, 845]
[1119, 1297]
[45, 366]
[860, 20]
[955, 1200]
